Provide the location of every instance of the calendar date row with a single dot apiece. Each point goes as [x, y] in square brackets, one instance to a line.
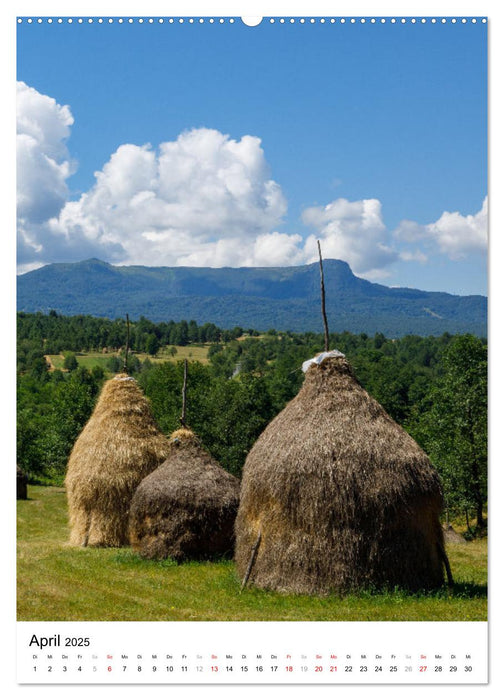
[214, 669]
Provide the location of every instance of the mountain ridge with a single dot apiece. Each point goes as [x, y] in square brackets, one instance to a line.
[285, 298]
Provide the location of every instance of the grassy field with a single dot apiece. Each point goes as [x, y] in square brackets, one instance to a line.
[184, 352]
[55, 361]
[59, 582]
[88, 360]
[93, 359]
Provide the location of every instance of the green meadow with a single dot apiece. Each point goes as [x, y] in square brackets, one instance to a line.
[89, 360]
[59, 582]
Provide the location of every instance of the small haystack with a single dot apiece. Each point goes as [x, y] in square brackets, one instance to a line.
[21, 484]
[118, 447]
[451, 535]
[336, 496]
[186, 508]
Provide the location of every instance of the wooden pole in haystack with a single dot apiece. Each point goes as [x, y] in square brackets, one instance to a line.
[88, 528]
[447, 566]
[125, 364]
[184, 397]
[251, 561]
[322, 295]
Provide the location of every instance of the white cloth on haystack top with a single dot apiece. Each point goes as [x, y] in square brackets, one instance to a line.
[318, 359]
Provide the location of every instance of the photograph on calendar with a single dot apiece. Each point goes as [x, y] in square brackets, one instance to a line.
[251, 319]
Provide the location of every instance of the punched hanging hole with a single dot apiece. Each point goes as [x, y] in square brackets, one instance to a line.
[251, 21]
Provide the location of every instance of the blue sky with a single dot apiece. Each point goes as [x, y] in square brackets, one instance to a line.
[228, 145]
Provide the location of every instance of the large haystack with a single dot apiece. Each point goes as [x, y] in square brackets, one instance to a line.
[342, 497]
[186, 508]
[118, 447]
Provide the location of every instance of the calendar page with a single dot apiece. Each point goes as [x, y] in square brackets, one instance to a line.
[251, 346]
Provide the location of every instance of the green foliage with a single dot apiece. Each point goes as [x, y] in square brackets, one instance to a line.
[152, 344]
[233, 415]
[114, 364]
[435, 387]
[227, 414]
[98, 373]
[52, 333]
[451, 424]
[70, 362]
[50, 416]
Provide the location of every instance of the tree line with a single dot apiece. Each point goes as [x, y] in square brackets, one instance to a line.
[435, 387]
[57, 333]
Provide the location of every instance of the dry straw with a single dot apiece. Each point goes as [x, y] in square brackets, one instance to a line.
[342, 497]
[117, 448]
[451, 535]
[187, 507]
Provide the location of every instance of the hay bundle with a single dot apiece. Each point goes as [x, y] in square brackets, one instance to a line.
[118, 447]
[187, 507]
[451, 535]
[342, 496]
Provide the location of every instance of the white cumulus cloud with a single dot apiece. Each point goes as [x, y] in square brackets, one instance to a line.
[278, 249]
[413, 256]
[43, 165]
[351, 231]
[202, 199]
[454, 235]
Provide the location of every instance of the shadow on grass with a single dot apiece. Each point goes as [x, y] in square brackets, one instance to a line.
[128, 557]
[464, 590]
[467, 590]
